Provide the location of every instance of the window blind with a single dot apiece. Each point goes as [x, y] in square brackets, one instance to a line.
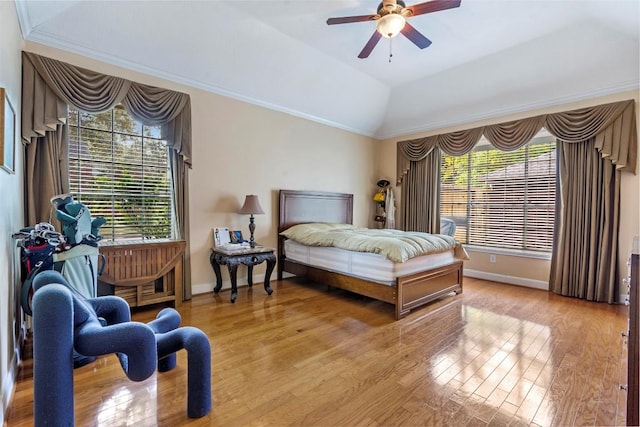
[502, 199]
[120, 170]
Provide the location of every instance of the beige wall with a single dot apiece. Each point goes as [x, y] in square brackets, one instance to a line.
[531, 271]
[247, 149]
[12, 214]
[239, 149]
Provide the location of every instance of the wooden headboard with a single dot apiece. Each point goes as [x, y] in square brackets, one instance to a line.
[298, 207]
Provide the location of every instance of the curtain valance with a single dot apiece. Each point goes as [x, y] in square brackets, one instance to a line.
[613, 126]
[50, 85]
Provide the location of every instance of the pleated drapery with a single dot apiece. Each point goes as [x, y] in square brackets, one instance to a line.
[585, 253]
[180, 182]
[45, 79]
[423, 193]
[611, 128]
[613, 125]
[49, 86]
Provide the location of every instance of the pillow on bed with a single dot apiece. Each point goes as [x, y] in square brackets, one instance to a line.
[300, 231]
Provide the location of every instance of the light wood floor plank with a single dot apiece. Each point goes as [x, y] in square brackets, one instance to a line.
[496, 355]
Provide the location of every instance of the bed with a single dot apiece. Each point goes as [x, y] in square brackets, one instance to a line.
[408, 290]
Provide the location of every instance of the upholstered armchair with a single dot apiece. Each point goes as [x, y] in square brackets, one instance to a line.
[447, 226]
[64, 321]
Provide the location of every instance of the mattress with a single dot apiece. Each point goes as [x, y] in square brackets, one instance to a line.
[368, 266]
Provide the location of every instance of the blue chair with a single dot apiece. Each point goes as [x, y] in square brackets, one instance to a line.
[447, 226]
[64, 321]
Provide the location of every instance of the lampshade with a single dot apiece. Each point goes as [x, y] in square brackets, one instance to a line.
[251, 206]
[390, 25]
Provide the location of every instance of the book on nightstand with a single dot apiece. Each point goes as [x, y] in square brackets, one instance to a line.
[234, 246]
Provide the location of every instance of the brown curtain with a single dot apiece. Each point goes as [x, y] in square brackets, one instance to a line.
[597, 144]
[420, 162]
[47, 167]
[585, 253]
[180, 181]
[611, 128]
[418, 169]
[44, 132]
[513, 135]
[461, 142]
[49, 86]
[422, 193]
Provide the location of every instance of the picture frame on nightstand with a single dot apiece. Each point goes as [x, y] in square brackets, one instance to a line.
[221, 236]
[236, 236]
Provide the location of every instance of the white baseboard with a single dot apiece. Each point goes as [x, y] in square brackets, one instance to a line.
[258, 279]
[8, 385]
[201, 288]
[204, 288]
[623, 298]
[512, 280]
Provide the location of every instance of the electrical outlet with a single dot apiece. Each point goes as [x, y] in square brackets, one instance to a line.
[492, 258]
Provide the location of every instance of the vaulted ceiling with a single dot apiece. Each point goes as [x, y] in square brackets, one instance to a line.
[488, 58]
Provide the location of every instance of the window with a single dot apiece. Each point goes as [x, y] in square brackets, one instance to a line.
[502, 199]
[120, 170]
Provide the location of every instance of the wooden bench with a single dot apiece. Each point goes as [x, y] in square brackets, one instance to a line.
[144, 273]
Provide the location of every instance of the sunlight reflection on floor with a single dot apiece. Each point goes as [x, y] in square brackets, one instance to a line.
[501, 360]
[142, 411]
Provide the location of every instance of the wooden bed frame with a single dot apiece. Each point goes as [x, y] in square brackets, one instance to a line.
[297, 207]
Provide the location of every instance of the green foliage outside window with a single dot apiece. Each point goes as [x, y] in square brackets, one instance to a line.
[501, 199]
[120, 170]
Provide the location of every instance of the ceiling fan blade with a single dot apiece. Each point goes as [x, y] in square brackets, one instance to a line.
[432, 6]
[349, 19]
[373, 41]
[415, 36]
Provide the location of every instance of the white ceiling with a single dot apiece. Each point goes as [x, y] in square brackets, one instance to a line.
[488, 58]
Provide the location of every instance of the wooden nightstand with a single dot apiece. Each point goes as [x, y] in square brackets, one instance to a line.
[249, 257]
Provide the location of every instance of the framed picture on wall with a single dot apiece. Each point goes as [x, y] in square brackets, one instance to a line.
[8, 136]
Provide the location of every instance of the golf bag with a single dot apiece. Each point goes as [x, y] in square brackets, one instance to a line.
[74, 253]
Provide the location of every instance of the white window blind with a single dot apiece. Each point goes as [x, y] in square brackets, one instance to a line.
[502, 199]
[120, 170]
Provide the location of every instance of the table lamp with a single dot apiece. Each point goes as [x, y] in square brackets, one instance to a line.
[251, 207]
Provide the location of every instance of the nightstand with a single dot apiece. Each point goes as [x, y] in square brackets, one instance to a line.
[249, 257]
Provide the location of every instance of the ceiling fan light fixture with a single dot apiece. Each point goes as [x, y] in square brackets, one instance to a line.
[390, 25]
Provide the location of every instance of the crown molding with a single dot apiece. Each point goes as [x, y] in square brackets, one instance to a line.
[522, 108]
[55, 42]
[23, 18]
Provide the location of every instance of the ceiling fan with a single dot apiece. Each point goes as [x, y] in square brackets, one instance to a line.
[392, 19]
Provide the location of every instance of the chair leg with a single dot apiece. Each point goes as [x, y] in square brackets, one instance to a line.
[196, 343]
[198, 373]
[53, 356]
[166, 320]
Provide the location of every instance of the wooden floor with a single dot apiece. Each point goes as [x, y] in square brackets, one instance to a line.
[495, 355]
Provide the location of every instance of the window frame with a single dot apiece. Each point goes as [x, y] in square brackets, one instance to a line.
[143, 133]
[542, 137]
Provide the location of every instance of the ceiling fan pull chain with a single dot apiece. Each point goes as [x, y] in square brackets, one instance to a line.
[390, 52]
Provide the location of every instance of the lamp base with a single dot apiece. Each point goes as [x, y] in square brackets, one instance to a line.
[252, 228]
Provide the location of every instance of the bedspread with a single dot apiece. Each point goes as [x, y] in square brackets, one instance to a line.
[396, 245]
